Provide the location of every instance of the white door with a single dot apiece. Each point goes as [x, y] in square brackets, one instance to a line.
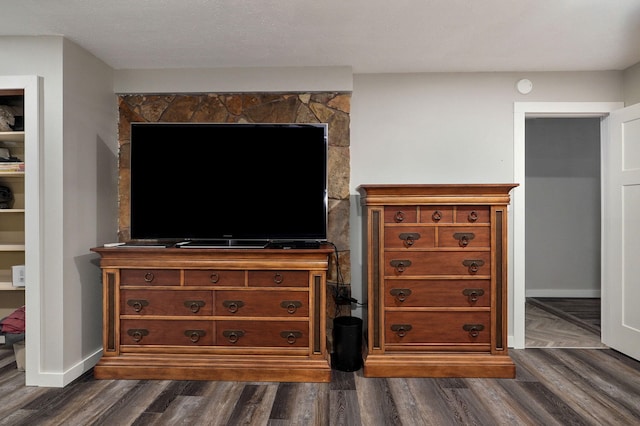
[621, 232]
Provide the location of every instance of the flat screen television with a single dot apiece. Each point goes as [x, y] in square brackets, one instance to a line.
[228, 183]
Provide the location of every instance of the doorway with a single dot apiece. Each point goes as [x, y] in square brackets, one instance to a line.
[523, 110]
[563, 222]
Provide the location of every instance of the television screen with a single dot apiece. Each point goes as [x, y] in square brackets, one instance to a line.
[232, 182]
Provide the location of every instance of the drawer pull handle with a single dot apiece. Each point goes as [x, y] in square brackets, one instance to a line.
[436, 216]
[473, 329]
[409, 238]
[473, 265]
[473, 216]
[148, 277]
[290, 305]
[233, 305]
[137, 333]
[194, 305]
[399, 216]
[401, 329]
[137, 304]
[233, 335]
[464, 238]
[473, 294]
[291, 336]
[195, 335]
[214, 277]
[400, 265]
[278, 278]
[400, 294]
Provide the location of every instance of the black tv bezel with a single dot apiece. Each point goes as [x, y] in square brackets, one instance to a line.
[249, 241]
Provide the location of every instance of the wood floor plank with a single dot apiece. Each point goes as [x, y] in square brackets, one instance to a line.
[539, 392]
[312, 404]
[494, 399]
[412, 409]
[596, 380]
[252, 406]
[433, 407]
[544, 329]
[573, 391]
[133, 404]
[464, 407]
[375, 400]
[343, 408]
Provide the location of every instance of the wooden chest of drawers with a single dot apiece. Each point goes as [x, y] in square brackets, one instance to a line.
[207, 314]
[435, 267]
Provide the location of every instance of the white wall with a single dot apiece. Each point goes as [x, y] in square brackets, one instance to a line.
[318, 79]
[77, 111]
[90, 204]
[448, 128]
[631, 79]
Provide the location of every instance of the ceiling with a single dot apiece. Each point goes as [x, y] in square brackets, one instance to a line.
[370, 36]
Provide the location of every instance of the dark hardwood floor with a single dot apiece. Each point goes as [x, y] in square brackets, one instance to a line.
[552, 387]
[584, 312]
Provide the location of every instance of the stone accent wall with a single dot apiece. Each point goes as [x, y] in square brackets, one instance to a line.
[332, 108]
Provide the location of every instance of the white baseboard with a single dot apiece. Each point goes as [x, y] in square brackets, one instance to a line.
[562, 293]
[61, 379]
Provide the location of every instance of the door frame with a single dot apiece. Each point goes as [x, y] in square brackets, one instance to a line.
[522, 111]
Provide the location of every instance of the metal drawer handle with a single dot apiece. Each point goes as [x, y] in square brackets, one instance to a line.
[473, 294]
[290, 305]
[399, 216]
[400, 265]
[464, 238]
[137, 333]
[473, 265]
[137, 304]
[409, 238]
[195, 335]
[233, 335]
[400, 294]
[401, 329]
[233, 305]
[291, 336]
[473, 329]
[278, 278]
[473, 216]
[148, 277]
[436, 216]
[214, 277]
[194, 305]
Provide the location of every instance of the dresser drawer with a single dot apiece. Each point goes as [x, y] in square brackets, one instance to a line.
[437, 327]
[278, 279]
[263, 333]
[473, 214]
[262, 303]
[437, 293]
[409, 236]
[412, 263]
[401, 214]
[166, 302]
[213, 277]
[436, 214]
[150, 277]
[166, 332]
[464, 236]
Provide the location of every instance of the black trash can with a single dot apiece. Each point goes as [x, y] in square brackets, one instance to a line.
[347, 343]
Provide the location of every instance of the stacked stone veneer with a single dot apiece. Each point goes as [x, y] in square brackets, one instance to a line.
[332, 108]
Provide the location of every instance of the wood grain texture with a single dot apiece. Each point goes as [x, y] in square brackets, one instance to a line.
[553, 386]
